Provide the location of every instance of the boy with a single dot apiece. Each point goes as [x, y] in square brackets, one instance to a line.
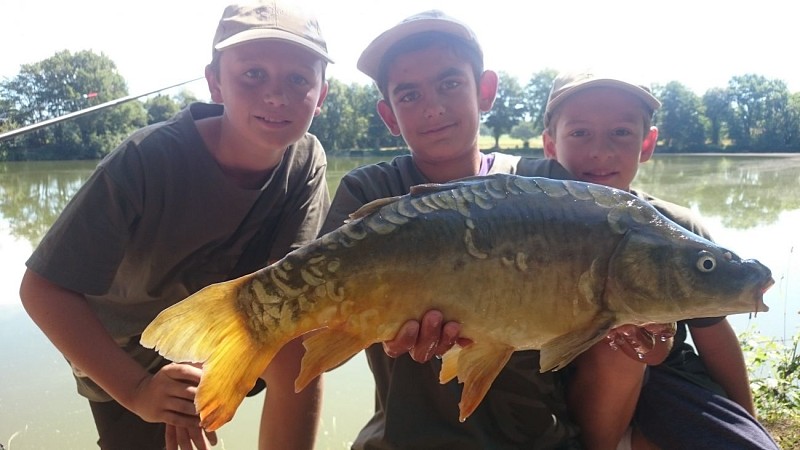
[600, 130]
[429, 69]
[216, 192]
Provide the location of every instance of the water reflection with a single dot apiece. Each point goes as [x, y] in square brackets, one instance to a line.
[33, 194]
[743, 191]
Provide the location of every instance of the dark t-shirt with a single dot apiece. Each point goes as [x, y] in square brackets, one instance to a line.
[158, 220]
[523, 408]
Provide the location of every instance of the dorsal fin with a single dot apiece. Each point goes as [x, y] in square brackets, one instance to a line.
[372, 206]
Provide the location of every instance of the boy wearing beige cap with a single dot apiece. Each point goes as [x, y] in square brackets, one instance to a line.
[599, 128]
[216, 192]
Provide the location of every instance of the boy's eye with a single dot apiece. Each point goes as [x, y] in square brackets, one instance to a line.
[408, 97]
[622, 132]
[298, 80]
[450, 84]
[579, 133]
[255, 74]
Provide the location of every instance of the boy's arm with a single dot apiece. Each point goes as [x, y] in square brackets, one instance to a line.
[721, 352]
[66, 319]
[289, 420]
[602, 393]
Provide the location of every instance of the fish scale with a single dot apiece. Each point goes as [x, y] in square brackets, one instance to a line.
[522, 263]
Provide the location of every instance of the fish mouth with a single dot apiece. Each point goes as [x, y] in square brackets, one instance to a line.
[760, 305]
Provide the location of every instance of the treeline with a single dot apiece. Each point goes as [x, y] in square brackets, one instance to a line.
[752, 113]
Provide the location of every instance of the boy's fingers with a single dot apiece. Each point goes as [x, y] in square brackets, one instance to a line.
[404, 340]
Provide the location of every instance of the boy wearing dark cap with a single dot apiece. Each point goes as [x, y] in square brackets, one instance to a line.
[429, 69]
[214, 193]
[599, 128]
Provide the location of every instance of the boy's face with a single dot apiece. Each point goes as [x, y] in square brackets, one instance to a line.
[271, 91]
[435, 104]
[600, 137]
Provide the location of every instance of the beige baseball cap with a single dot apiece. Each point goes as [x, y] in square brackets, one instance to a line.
[269, 19]
[434, 20]
[570, 83]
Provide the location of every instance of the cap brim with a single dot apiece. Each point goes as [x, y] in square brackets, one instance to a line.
[370, 60]
[271, 33]
[637, 91]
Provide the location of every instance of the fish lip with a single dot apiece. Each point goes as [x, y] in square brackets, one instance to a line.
[760, 305]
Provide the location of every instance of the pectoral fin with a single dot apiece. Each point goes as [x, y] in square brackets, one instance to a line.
[560, 351]
[325, 350]
[477, 366]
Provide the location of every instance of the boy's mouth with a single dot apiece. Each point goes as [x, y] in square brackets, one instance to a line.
[438, 128]
[272, 120]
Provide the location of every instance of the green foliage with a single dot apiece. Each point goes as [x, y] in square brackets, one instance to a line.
[508, 109]
[535, 96]
[774, 368]
[679, 120]
[349, 121]
[65, 83]
[163, 107]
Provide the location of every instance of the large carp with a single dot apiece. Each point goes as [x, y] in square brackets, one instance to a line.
[522, 263]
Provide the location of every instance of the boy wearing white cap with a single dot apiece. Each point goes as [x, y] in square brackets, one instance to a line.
[214, 193]
[599, 128]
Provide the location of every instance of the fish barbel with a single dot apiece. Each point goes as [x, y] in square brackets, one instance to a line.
[521, 262]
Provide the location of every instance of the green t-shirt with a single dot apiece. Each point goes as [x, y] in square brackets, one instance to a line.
[523, 408]
[158, 220]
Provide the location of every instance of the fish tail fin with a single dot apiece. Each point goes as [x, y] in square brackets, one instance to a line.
[209, 328]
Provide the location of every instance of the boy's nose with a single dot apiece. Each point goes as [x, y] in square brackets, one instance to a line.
[274, 94]
[433, 109]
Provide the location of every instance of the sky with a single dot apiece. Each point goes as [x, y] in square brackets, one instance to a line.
[700, 43]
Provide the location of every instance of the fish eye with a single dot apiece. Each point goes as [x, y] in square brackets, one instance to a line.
[706, 261]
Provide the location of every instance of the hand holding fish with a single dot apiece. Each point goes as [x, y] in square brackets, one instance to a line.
[648, 344]
[168, 396]
[426, 338]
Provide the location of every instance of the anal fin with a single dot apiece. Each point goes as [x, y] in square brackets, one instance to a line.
[478, 365]
[326, 349]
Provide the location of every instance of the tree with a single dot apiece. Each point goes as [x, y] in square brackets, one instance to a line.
[679, 120]
[757, 108]
[65, 83]
[716, 108]
[536, 93]
[508, 109]
[163, 107]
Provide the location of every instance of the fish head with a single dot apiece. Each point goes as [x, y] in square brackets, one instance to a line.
[666, 273]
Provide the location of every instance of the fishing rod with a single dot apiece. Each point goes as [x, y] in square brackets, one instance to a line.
[91, 109]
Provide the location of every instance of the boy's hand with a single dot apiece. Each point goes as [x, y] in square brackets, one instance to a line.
[182, 438]
[168, 396]
[425, 339]
[639, 343]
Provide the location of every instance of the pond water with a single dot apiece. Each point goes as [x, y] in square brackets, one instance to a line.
[751, 204]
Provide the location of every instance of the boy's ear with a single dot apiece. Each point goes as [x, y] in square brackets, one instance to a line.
[389, 119]
[549, 145]
[649, 145]
[213, 85]
[487, 90]
[323, 94]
